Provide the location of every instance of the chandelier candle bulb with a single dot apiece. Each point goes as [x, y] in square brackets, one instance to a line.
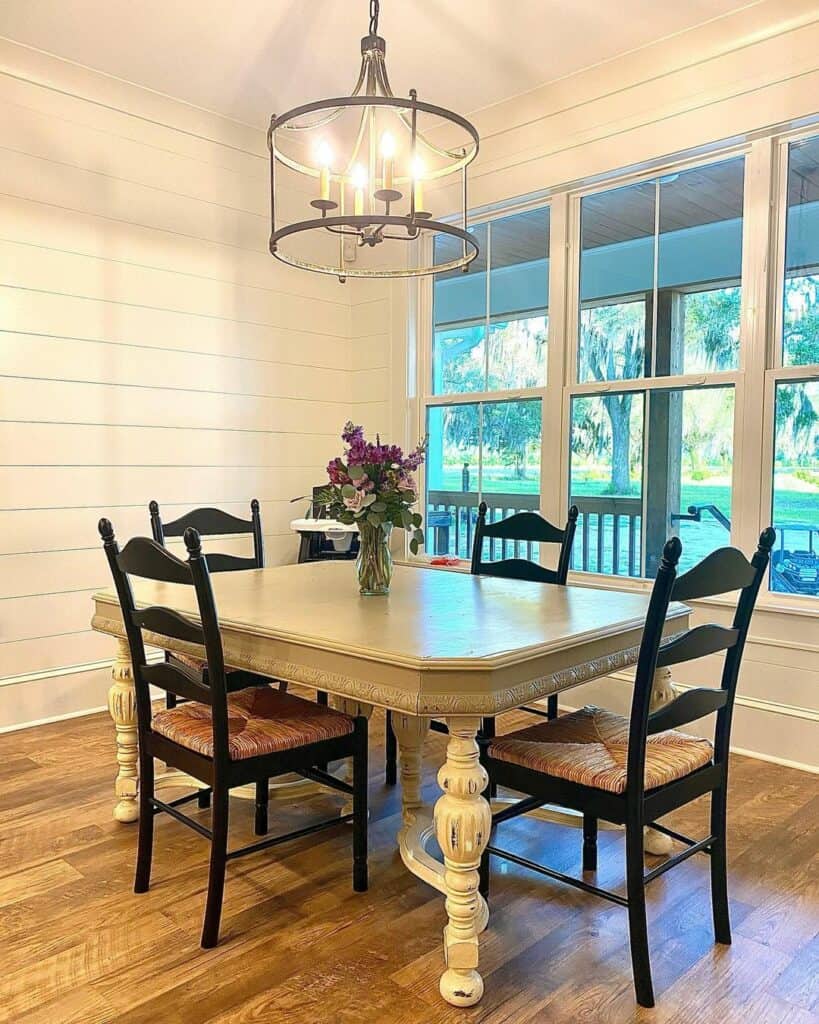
[418, 183]
[359, 181]
[388, 153]
[325, 158]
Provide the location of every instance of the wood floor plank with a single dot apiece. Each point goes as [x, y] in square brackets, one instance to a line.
[299, 945]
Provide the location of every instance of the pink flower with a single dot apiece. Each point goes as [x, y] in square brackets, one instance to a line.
[356, 503]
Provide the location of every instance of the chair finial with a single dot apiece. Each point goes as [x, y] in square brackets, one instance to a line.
[671, 552]
[193, 542]
[153, 508]
[254, 505]
[106, 530]
[767, 538]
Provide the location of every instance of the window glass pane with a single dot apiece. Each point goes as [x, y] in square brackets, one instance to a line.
[511, 452]
[709, 329]
[616, 277]
[699, 266]
[606, 475]
[477, 451]
[459, 320]
[518, 299]
[660, 270]
[688, 472]
[800, 342]
[612, 341]
[452, 478]
[795, 561]
[459, 359]
[517, 353]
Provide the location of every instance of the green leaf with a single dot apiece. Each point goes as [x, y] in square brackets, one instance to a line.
[414, 546]
[375, 518]
[406, 519]
[355, 472]
[378, 506]
[418, 536]
[417, 519]
[369, 500]
[348, 491]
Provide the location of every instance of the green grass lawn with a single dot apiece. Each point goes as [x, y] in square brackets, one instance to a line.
[792, 506]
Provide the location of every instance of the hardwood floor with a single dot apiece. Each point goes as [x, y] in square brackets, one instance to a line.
[78, 947]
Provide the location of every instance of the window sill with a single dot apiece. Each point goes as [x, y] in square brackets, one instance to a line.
[805, 607]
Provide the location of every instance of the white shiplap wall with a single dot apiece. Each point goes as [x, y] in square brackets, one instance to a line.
[149, 348]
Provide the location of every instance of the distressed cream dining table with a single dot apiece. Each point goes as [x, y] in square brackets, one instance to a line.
[440, 645]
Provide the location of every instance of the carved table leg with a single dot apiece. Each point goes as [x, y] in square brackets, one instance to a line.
[122, 707]
[462, 822]
[410, 732]
[662, 692]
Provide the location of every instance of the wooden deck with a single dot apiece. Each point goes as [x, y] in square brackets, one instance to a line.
[299, 946]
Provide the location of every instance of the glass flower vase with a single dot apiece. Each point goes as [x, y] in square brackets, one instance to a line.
[374, 562]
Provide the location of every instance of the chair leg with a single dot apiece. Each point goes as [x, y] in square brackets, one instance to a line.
[145, 841]
[638, 931]
[488, 733]
[551, 706]
[262, 799]
[390, 752]
[203, 799]
[719, 869]
[218, 863]
[360, 806]
[589, 843]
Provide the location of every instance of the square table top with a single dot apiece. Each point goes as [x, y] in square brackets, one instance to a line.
[436, 633]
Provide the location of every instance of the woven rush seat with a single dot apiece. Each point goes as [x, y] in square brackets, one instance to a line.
[590, 747]
[188, 660]
[260, 721]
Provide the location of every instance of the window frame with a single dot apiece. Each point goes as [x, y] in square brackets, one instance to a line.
[754, 379]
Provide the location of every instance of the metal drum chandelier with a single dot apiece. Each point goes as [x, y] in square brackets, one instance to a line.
[350, 178]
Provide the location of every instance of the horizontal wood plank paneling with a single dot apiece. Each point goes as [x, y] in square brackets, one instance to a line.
[103, 363]
[24, 443]
[149, 348]
[36, 530]
[59, 315]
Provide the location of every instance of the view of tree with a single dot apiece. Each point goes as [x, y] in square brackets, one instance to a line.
[515, 359]
[612, 347]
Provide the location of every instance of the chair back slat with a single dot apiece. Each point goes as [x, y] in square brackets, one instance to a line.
[697, 643]
[207, 522]
[167, 622]
[177, 679]
[525, 527]
[143, 557]
[148, 559]
[214, 522]
[688, 707]
[722, 571]
[520, 569]
[219, 562]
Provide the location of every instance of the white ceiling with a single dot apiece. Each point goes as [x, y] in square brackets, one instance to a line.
[248, 58]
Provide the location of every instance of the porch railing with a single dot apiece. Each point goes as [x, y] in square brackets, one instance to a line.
[607, 539]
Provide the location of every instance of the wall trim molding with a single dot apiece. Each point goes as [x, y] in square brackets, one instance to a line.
[754, 703]
[68, 670]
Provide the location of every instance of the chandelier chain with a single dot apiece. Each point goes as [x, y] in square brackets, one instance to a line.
[374, 7]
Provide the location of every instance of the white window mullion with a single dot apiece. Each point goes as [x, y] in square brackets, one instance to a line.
[554, 448]
[755, 320]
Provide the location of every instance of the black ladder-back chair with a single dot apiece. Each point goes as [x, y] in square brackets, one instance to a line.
[325, 734]
[525, 527]
[211, 522]
[634, 805]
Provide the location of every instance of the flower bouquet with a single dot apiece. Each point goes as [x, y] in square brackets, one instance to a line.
[372, 486]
